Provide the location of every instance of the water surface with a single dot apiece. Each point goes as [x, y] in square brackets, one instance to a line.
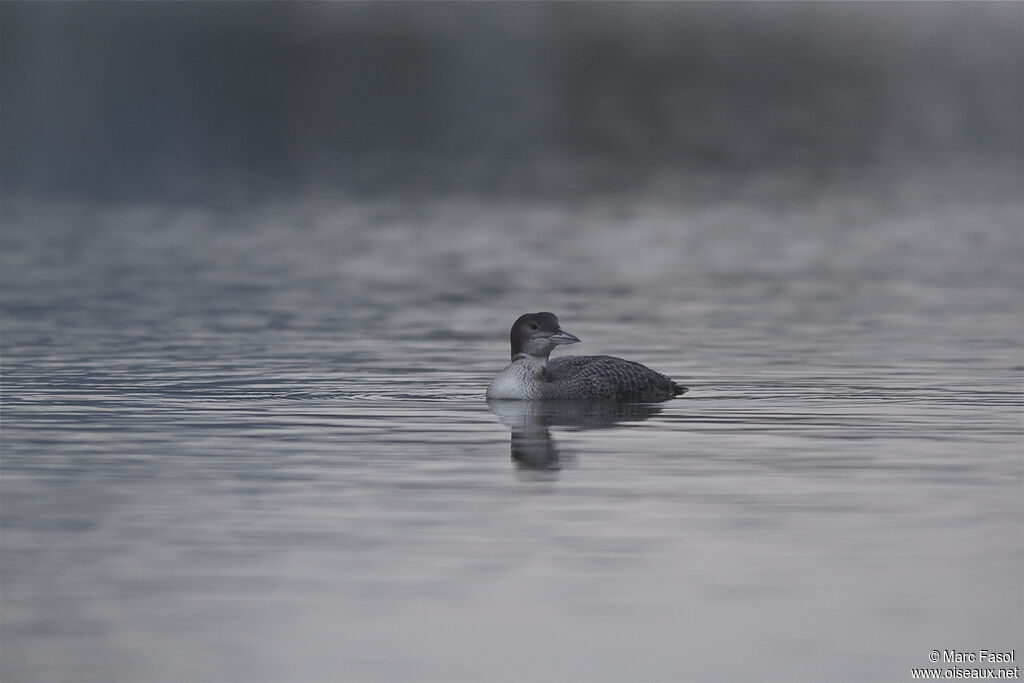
[250, 442]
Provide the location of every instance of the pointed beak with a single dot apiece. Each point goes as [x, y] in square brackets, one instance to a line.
[563, 337]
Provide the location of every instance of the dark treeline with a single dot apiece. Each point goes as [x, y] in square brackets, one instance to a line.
[162, 98]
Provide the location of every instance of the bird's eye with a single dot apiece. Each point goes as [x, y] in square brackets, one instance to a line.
[533, 326]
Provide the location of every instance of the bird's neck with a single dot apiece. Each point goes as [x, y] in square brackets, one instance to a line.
[534, 365]
[530, 358]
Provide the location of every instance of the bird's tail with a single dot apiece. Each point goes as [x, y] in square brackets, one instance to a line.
[678, 389]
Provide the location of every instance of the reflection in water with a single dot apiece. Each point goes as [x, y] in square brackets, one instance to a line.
[532, 444]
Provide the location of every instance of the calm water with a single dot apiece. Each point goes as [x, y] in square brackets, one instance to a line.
[250, 442]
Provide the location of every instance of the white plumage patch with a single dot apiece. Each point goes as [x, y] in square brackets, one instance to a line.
[518, 381]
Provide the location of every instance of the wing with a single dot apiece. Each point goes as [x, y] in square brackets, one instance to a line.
[608, 378]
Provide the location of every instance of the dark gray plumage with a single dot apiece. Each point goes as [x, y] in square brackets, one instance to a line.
[608, 378]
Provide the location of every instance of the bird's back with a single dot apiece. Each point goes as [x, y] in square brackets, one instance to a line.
[607, 378]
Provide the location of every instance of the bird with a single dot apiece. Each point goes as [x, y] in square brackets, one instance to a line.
[533, 376]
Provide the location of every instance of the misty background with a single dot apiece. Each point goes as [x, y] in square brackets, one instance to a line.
[258, 264]
[157, 99]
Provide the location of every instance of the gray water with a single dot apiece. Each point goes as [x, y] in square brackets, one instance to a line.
[249, 441]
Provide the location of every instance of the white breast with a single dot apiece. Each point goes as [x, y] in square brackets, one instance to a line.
[518, 381]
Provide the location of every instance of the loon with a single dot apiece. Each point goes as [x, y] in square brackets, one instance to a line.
[531, 376]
